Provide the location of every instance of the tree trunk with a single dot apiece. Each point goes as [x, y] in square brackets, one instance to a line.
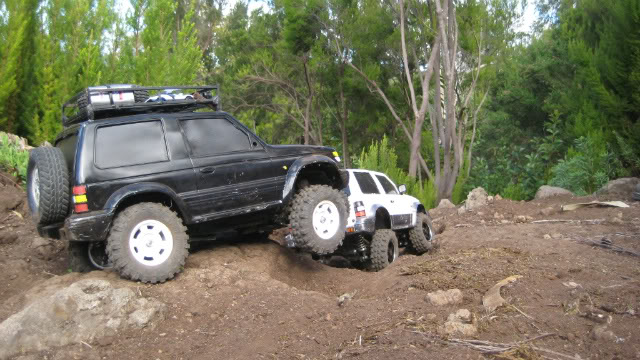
[307, 110]
[473, 134]
[343, 115]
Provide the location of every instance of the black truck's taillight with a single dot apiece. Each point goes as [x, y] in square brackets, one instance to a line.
[80, 199]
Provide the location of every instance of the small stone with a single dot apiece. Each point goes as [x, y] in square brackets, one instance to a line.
[617, 220]
[498, 216]
[38, 242]
[521, 219]
[431, 316]
[547, 236]
[446, 204]
[545, 192]
[461, 211]
[188, 314]
[106, 341]
[463, 315]
[571, 284]
[461, 322]
[439, 298]
[529, 218]
[498, 197]
[163, 334]
[504, 221]
[453, 327]
[476, 198]
[490, 198]
[556, 236]
[601, 333]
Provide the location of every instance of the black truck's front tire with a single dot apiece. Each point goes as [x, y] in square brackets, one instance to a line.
[47, 185]
[318, 219]
[148, 242]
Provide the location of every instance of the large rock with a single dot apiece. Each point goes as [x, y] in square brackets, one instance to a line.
[439, 298]
[476, 198]
[622, 186]
[86, 310]
[546, 191]
[446, 204]
[17, 141]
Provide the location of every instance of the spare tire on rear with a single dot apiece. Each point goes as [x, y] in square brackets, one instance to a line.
[47, 185]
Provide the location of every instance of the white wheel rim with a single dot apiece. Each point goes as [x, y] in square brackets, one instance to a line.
[151, 242]
[326, 219]
[35, 186]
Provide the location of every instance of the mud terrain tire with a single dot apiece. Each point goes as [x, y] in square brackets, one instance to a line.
[318, 219]
[384, 249]
[47, 185]
[79, 257]
[148, 242]
[421, 236]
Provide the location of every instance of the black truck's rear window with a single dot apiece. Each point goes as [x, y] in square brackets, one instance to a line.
[130, 144]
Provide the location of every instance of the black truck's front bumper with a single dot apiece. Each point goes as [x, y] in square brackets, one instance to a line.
[92, 226]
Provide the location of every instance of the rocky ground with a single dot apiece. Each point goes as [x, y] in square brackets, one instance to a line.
[563, 298]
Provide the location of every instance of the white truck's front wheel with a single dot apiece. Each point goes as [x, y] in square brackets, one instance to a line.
[421, 236]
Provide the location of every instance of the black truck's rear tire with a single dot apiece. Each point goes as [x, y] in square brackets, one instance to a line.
[47, 185]
[318, 219]
[421, 236]
[384, 249]
[148, 242]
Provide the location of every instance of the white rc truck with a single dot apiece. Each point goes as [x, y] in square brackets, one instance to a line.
[382, 219]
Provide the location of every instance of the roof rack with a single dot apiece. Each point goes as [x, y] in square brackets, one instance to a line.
[99, 102]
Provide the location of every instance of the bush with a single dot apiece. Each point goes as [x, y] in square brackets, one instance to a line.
[12, 159]
[381, 157]
[585, 169]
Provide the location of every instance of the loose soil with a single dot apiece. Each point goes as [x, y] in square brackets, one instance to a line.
[253, 299]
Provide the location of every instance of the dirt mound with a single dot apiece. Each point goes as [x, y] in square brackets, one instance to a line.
[245, 298]
[25, 257]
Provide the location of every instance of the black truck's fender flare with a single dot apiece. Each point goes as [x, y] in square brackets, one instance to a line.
[341, 181]
[131, 190]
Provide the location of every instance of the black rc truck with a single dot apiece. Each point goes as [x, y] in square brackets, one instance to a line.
[131, 182]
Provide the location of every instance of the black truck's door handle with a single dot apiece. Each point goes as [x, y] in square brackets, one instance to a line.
[207, 170]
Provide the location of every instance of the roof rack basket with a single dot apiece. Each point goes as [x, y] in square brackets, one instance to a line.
[101, 102]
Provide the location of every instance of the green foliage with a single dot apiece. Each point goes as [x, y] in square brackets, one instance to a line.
[576, 78]
[629, 157]
[585, 169]
[460, 192]
[12, 159]
[380, 156]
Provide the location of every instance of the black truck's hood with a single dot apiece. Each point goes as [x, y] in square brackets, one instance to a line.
[301, 149]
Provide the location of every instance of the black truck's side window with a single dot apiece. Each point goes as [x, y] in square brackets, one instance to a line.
[130, 144]
[209, 137]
